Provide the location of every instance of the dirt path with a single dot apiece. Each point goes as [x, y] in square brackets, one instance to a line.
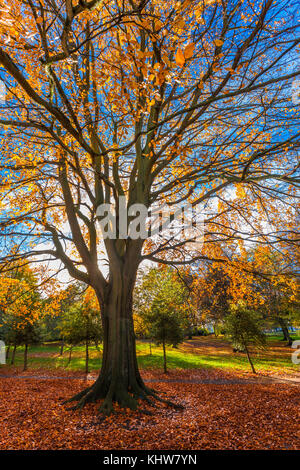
[261, 380]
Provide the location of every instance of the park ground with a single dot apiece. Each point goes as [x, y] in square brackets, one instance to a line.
[225, 405]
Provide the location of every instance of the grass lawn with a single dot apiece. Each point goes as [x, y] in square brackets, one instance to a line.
[199, 352]
[295, 337]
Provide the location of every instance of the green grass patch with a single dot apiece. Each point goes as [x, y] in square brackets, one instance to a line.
[279, 337]
[47, 356]
[179, 359]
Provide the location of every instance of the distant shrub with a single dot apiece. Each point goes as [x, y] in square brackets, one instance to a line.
[203, 332]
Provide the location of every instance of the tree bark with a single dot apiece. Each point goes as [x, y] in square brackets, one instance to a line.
[87, 356]
[119, 379]
[165, 357]
[25, 357]
[13, 355]
[61, 348]
[70, 355]
[7, 354]
[249, 359]
[285, 331]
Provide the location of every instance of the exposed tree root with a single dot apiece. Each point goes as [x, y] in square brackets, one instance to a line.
[125, 399]
[78, 396]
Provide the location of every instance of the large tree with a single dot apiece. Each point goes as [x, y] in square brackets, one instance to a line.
[155, 101]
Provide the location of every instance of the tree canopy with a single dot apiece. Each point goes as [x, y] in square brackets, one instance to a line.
[156, 101]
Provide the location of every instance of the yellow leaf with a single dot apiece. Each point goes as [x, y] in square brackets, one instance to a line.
[180, 60]
[218, 42]
[189, 51]
[240, 191]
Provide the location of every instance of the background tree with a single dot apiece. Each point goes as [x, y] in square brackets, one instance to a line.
[164, 326]
[155, 102]
[160, 306]
[210, 292]
[20, 333]
[161, 284]
[279, 291]
[81, 323]
[72, 294]
[264, 278]
[22, 309]
[243, 328]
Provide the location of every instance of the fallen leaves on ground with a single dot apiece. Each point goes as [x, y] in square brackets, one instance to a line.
[216, 416]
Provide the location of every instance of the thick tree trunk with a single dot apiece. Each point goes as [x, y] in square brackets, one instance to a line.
[13, 355]
[285, 331]
[119, 379]
[25, 357]
[62, 347]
